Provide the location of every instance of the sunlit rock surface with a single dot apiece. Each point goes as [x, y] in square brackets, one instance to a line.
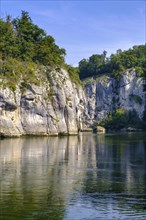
[106, 94]
[53, 108]
[59, 106]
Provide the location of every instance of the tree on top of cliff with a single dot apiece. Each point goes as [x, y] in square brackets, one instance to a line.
[90, 67]
[115, 64]
[20, 38]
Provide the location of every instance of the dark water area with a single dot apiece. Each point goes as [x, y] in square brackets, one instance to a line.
[85, 177]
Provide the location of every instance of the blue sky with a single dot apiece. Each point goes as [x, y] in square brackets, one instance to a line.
[85, 27]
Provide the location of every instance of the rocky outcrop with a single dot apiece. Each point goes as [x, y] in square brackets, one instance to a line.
[105, 94]
[59, 106]
[53, 108]
[100, 129]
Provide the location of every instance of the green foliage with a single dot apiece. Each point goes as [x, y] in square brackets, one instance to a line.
[20, 38]
[133, 120]
[13, 71]
[90, 67]
[73, 74]
[136, 98]
[8, 46]
[114, 65]
[50, 94]
[139, 71]
[88, 81]
[10, 72]
[24, 49]
[121, 119]
[48, 53]
[115, 121]
[98, 108]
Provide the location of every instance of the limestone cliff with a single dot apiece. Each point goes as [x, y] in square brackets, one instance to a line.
[62, 107]
[55, 107]
[105, 94]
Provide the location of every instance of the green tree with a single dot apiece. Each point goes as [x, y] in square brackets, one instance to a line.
[116, 120]
[48, 53]
[91, 67]
[28, 35]
[115, 64]
[7, 39]
[20, 38]
[83, 69]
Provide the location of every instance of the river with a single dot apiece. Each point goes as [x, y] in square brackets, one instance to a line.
[85, 177]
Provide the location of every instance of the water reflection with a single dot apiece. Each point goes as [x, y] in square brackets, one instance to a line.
[78, 177]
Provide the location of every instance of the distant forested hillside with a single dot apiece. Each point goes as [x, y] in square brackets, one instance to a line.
[99, 64]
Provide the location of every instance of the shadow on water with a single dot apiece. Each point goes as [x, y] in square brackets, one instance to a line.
[73, 178]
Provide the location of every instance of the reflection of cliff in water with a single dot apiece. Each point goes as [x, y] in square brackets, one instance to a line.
[40, 176]
[121, 163]
[42, 171]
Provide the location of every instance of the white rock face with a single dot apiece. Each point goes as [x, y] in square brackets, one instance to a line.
[131, 94]
[61, 107]
[106, 94]
[51, 109]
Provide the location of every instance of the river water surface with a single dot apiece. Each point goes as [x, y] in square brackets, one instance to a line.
[85, 177]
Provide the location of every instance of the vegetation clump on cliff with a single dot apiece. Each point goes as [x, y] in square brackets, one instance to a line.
[120, 119]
